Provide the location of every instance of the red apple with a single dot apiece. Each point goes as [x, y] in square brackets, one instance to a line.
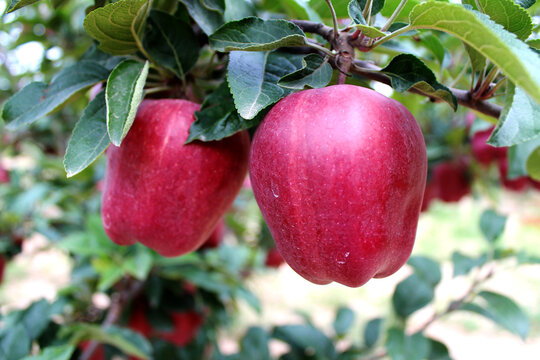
[2, 267]
[164, 194]
[339, 174]
[430, 193]
[519, 184]
[273, 258]
[484, 153]
[216, 237]
[452, 180]
[4, 175]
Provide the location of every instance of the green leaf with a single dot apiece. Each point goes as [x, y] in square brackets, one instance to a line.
[492, 225]
[525, 3]
[17, 4]
[391, 5]
[171, 43]
[253, 89]
[478, 61]
[372, 331]
[433, 44]
[217, 118]
[89, 138]
[438, 351]
[464, 264]
[369, 31]
[355, 12]
[129, 341]
[59, 352]
[254, 344]
[118, 26]
[513, 17]
[124, 94]
[407, 71]
[501, 310]
[207, 19]
[315, 73]
[518, 156]
[404, 347]
[427, 269]
[519, 121]
[15, 344]
[356, 7]
[140, 264]
[533, 164]
[305, 338]
[411, 294]
[38, 99]
[518, 62]
[255, 34]
[110, 272]
[343, 321]
[238, 9]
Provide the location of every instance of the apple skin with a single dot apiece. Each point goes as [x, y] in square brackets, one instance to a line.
[452, 180]
[484, 153]
[164, 194]
[339, 175]
[216, 237]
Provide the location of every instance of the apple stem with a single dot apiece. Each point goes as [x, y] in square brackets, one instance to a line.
[334, 18]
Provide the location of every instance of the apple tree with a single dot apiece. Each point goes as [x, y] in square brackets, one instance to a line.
[127, 142]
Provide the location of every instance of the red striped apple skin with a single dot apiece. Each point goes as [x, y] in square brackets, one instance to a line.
[164, 194]
[339, 174]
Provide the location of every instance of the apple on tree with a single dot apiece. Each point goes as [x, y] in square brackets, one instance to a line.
[339, 175]
[164, 194]
[452, 180]
[273, 258]
[484, 153]
[216, 237]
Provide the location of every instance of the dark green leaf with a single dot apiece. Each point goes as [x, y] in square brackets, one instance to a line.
[427, 269]
[255, 34]
[315, 73]
[15, 344]
[124, 94]
[208, 20]
[502, 310]
[492, 225]
[408, 71]
[118, 26]
[250, 298]
[254, 344]
[343, 321]
[171, 43]
[89, 138]
[306, 339]
[519, 121]
[17, 4]
[434, 44]
[403, 347]
[438, 351]
[355, 12]
[37, 99]
[60, 352]
[411, 294]
[525, 3]
[372, 331]
[464, 264]
[253, 78]
[217, 118]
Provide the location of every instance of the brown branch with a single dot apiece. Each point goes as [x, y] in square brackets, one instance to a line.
[128, 289]
[372, 72]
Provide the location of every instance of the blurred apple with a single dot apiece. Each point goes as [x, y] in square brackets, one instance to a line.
[518, 184]
[452, 180]
[484, 153]
[216, 237]
[273, 258]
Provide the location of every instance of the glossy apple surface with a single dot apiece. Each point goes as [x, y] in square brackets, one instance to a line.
[164, 194]
[452, 180]
[339, 174]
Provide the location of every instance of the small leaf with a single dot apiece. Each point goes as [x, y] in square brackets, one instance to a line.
[464, 264]
[492, 225]
[238, 9]
[217, 118]
[518, 62]
[255, 34]
[372, 331]
[412, 294]
[355, 12]
[525, 3]
[305, 338]
[253, 78]
[518, 156]
[140, 264]
[502, 310]
[533, 164]
[427, 269]
[513, 17]
[118, 26]
[357, 7]
[208, 20]
[254, 344]
[408, 71]
[519, 121]
[15, 344]
[438, 351]
[60, 352]
[404, 347]
[171, 43]
[369, 31]
[124, 94]
[344, 320]
[433, 44]
[38, 99]
[17, 4]
[89, 138]
[315, 73]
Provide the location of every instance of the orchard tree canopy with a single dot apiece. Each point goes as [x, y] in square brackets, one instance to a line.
[107, 71]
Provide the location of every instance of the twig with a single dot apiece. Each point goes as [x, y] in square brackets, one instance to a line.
[129, 289]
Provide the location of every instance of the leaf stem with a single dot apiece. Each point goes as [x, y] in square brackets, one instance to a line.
[392, 35]
[334, 18]
[393, 17]
[157, 89]
[367, 12]
[320, 48]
